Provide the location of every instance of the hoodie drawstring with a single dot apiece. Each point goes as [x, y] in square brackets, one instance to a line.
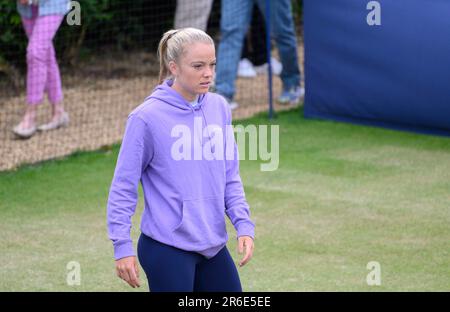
[207, 130]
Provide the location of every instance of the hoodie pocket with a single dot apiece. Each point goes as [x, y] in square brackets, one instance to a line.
[202, 222]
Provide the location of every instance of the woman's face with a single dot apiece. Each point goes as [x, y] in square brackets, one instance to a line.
[194, 71]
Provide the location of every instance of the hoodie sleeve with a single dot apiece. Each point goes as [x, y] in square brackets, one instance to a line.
[236, 206]
[135, 154]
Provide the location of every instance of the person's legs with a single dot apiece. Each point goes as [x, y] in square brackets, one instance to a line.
[41, 60]
[40, 32]
[192, 13]
[254, 48]
[54, 91]
[283, 31]
[245, 66]
[46, 27]
[168, 269]
[53, 85]
[258, 51]
[29, 117]
[217, 274]
[234, 24]
[245, 47]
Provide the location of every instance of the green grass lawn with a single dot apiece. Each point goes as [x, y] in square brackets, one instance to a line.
[343, 195]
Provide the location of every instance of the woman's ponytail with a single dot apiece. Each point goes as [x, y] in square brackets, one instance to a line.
[162, 55]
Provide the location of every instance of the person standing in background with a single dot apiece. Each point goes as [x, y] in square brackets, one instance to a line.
[234, 23]
[41, 20]
[192, 14]
[254, 53]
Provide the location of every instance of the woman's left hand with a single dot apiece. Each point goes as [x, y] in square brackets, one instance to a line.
[247, 243]
[23, 2]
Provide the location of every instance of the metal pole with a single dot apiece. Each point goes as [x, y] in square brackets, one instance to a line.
[269, 63]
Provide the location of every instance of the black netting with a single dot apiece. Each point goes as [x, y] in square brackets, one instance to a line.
[105, 53]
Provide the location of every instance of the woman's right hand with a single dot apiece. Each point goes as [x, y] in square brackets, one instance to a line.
[23, 2]
[128, 270]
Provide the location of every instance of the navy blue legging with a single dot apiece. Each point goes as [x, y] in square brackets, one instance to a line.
[170, 269]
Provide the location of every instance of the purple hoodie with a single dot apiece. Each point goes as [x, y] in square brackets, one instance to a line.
[185, 200]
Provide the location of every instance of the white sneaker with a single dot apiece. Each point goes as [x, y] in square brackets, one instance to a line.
[24, 133]
[233, 105]
[63, 121]
[292, 96]
[277, 67]
[245, 69]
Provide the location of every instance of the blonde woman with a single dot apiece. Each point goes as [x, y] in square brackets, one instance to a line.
[182, 246]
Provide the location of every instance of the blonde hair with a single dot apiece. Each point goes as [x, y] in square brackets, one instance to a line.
[172, 45]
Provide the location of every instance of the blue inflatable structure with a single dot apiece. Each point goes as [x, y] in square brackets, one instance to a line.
[383, 63]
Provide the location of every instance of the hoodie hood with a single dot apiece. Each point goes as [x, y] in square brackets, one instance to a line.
[164, 92]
